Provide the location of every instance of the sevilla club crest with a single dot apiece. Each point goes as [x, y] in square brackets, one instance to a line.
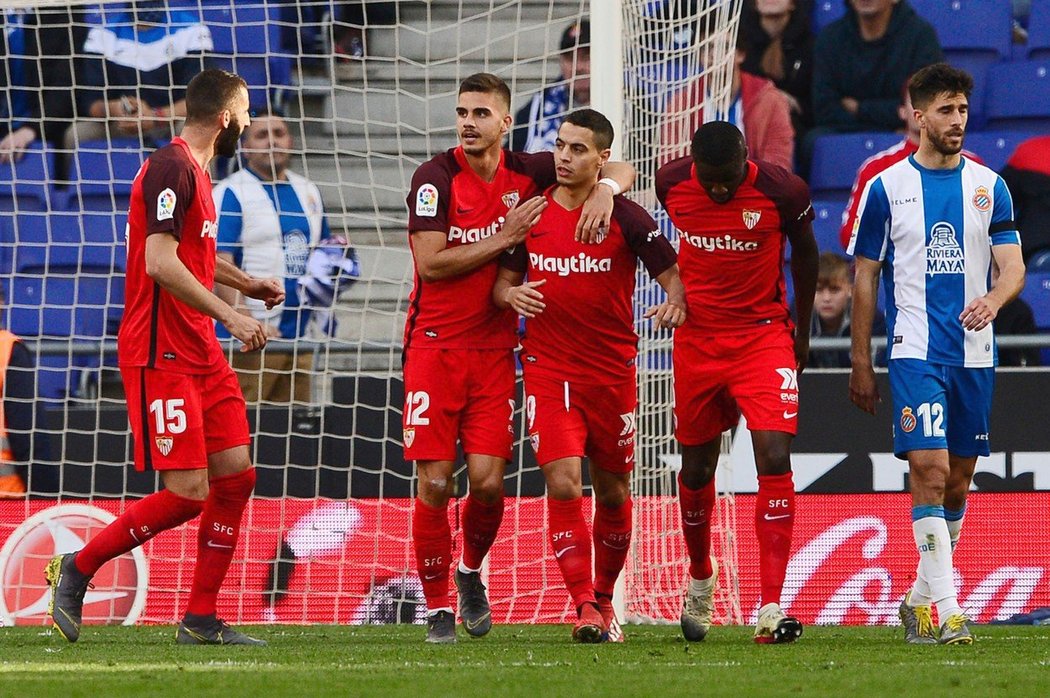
[164, 444]
[511, 198]
[751, 218]
[410, 436]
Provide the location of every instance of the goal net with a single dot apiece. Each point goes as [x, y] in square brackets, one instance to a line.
[367, 98]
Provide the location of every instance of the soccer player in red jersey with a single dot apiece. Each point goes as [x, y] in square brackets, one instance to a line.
[738, 350]
[466, 207]
[187, 413]
[579, 355]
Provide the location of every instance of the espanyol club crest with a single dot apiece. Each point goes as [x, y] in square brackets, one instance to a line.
[511, 198]
[409, 436]
[118, 591]
[908, 420]
[751, 218]
[164, 444]
[982, 200]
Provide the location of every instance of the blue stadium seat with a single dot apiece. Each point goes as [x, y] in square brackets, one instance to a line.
[61, 302]
[837, 157]
[104, 242]
[41, 240]
[1038, 262]
[1038, 47]
[995, 147]
[1037, 294]
[268, 77]
[825, 12]
[247, 39]
[26, 185]
[101, 175]
[974, 34]
[827, 222]
[1019, 96]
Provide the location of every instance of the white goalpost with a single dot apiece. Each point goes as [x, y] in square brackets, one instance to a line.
[327, 537]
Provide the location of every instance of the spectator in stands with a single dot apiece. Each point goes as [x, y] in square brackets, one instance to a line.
[136, 67]
[860, 62]
[1016, 317]
[778, 45]
[36, 103]
[881, 160]
[23, 439]
[1027, 174]
[831, 307]
[352, 19]
[270, 219]
[758, 109]
[536, 124]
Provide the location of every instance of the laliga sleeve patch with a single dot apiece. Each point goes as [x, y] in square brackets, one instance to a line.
[166, 205]
[427, 200]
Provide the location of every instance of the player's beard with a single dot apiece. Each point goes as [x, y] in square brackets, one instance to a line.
[940, 144]
[226, 142]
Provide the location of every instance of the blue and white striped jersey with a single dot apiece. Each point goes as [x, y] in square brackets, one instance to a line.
[933, 231]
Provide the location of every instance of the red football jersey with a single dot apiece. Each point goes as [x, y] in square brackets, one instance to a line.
[171, 194]
[731, 255]
[448, 196]
[586, 332]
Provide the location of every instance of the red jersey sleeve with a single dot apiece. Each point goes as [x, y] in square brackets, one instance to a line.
[515, 259]
[168, 190]
[539, 167]
[428, 199]
[643, 236]
[671, 174]
[789, 193]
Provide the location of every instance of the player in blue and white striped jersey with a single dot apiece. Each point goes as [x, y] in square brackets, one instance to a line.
[932, 225]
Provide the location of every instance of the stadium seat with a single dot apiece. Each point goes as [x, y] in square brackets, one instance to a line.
[837, 157]
[1019, 96]
[1038, 47]
[25, 185]
[826, 224]
[825, 12]
[101, 175]
[104, 243]
[1038, 262]
[974, 34]
[247, 40]
[1037, 294]
[42, 240]
[995, 147]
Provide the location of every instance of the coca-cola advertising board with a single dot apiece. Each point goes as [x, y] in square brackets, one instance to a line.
[351, 562]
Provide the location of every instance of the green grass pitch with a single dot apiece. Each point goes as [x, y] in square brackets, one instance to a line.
[521, 660]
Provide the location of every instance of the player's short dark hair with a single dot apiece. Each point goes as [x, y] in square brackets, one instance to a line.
[596, 122]
[938, 79]
[718, 143]
[486, 83]
[210, 92]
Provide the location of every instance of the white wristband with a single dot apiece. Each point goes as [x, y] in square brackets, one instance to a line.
[612, 184]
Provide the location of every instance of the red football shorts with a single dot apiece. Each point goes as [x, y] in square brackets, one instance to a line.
[718, 377]
[177, 419]
[464, 395]
[571, 419]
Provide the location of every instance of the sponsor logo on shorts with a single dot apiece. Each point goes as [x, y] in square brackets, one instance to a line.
[409, 436]
[908, 421]
[628, 423]
[790, 415]
[169, 355]
[164, 444]
[788, 379]
[982, 200]
[427, 200]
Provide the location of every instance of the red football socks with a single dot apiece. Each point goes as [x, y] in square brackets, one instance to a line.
[774, 518]
[698, 510]
[432, 540]
[612, 542]
[572, 547]
[141, 521]
[480, 525]
[217, 537]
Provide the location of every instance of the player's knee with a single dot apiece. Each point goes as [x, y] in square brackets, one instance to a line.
[435, 491]
[488, 491]
[696, 474]
[774, 459]
[614, 495]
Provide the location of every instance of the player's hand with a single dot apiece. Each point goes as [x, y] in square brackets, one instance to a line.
[863, 392]
[979, 313]
[269, 291]
[248, 330]
[525, 299]
[801, 351]
[596, 214]
[667, 314]
[520, 219]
